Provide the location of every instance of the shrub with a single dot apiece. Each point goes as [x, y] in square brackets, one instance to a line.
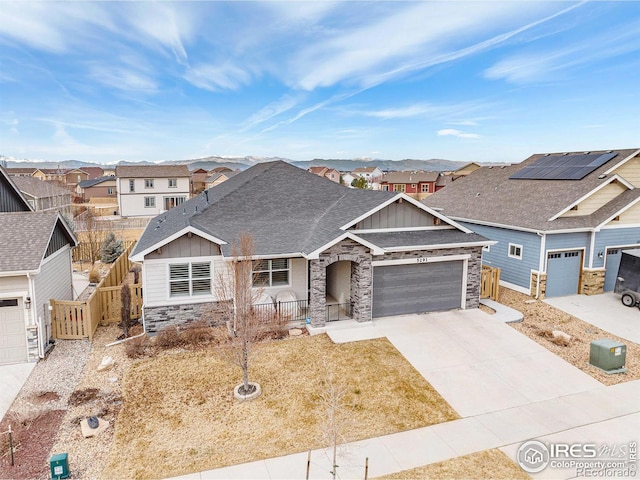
[168, 337]
[94, 275]
[111, 248]
[136, 347]
[197, 333]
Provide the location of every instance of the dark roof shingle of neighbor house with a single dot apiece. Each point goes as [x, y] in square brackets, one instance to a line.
[25, 238]
[488, 195]
[96, 181]
[39, 188]
[152, 171]
[286, 209]
[410, 177]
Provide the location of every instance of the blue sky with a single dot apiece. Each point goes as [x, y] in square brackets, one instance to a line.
[469, 81]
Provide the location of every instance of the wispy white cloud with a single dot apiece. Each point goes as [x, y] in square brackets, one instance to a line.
[456, 133]
[123, 78]
[218, 77]
[280, 106]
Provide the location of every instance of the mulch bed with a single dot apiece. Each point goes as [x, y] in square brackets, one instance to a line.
[33, 436]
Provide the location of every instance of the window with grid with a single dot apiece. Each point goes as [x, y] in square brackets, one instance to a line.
[132, 185]
[271, 273]
[110, 191]
[173, 183]
[425, 188]
[189, 279]
[149, 202]
[398, 187]
[148, 183]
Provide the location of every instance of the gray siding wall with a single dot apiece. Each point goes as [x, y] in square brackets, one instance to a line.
[512, 270]
[618, 237]
[569, 241]
[53, 281]
[397, 215]
[187, 247]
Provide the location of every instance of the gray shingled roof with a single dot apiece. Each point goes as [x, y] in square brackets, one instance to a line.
[96, 181]
[152, 171]
[39, 188]
[25, 238]
[488, 195]
[286, 209]
[410, 177]
[421, 238]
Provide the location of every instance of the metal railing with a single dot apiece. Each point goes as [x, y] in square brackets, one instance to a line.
[298, 311]
[338, 311]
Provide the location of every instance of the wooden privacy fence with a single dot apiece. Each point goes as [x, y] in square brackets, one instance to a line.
[490, 282]
[79, 319]
[84, 249]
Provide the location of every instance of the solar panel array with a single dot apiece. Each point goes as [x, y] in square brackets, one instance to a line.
[563, 167]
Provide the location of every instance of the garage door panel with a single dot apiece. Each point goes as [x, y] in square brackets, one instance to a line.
[13, 343]
[416, 288]
[563, 273]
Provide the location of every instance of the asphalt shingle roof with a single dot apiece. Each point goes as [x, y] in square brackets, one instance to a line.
[39, 188]
[152, 171]
[488, 195]
[96, 181]
[25, 238]
[286, 209]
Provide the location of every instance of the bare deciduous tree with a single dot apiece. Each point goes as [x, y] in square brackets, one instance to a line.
[126, 308]
[92, 235]
[246, 325]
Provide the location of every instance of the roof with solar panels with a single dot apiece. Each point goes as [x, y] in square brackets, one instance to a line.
[546, 192]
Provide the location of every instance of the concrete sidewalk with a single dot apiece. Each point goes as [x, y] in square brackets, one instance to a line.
[12, 378]
[605, 414]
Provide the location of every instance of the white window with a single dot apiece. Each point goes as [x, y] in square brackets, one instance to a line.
[271, 273]
[170, 202]
[189, 279]
[173, 183]
[132, 185]
[149, 202]
[398, 187]
[110, 191]
[515, 251]
[424, 188]
[148, 183]
[385, 188]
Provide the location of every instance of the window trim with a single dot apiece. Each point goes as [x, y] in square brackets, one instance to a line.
[270, 270]
[151, 204]
[190, 279]
[178, 200]
[515, 247]
[110, 191]
[173, 181]
[132, 185]
[424, 188]
[148, 183]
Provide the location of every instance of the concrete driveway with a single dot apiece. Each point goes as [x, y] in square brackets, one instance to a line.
[603, 311]
[477, 363]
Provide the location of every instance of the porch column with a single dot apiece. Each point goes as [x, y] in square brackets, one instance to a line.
[362, 289]
[318, 293]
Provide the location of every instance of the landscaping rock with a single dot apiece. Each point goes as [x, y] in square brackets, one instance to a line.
[88, 432]
[106, 364]
[295, 332]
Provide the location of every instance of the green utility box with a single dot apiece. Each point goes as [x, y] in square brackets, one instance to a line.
[59, 464]
[608, 355]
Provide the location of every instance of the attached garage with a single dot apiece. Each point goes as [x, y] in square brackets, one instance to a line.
[563, 273]
[418, 287]
[612, 265]
[13, 340]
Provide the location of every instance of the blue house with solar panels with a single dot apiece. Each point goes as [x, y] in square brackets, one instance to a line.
[560, 220]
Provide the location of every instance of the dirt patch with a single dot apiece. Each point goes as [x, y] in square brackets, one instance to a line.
[83, 396]
[44, 397]
[33, 435]
[541, 320]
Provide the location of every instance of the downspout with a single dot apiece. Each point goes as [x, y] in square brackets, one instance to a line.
[34, 314]
[592, 247]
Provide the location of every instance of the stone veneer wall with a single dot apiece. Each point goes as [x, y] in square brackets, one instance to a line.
[593, 281]
[543, 285]
[158, 318]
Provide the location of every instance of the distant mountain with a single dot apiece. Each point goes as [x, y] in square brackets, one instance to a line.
[242, 163]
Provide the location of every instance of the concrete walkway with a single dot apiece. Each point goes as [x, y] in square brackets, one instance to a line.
[604, 311]
[507, 388]
[12, 377]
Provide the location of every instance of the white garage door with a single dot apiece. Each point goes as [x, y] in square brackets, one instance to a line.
[13, 338]
[417, 288]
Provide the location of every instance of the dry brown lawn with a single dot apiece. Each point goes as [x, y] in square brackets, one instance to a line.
[489, 464]
[179, 409]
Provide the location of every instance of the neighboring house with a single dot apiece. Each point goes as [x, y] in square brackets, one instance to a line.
[415, 184]
[218, 178]
[198, 180]
[326, 172]
[45, 196]
[371, 174]
[467, 169]
[103, 187]
[35, 266]
[109, 171]
[26, 172]
[93, 172]
[347, 179]
[377, 253]
[560, 219]
[146, 190]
